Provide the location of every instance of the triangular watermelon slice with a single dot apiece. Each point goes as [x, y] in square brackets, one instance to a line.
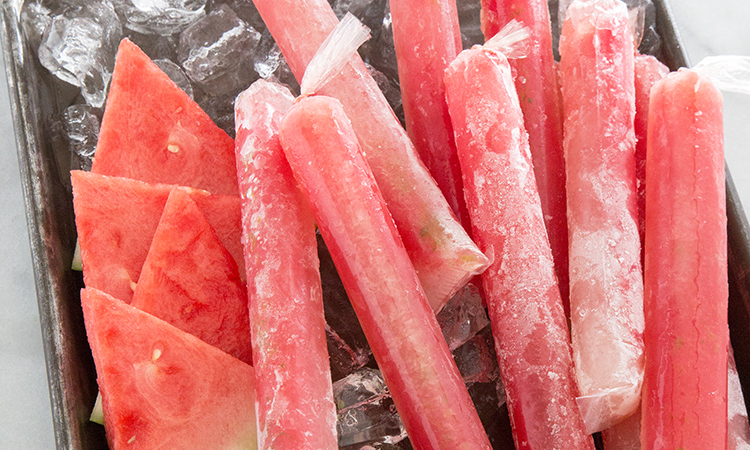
[163, 388]
[191, 281]
[116, 220]
[152, 131]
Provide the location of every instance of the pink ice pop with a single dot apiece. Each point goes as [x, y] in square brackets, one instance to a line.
[523, 298]
[606, 285]
[443, 254]
[381, 282]
[427, 38]
[539, 95]
[687, 336]
[295, 408]
[648, 70]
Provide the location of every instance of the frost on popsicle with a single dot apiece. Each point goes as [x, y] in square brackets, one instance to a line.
[523, 298]
[323, 151]
[606, 295]
[538, 90]
[295, 408]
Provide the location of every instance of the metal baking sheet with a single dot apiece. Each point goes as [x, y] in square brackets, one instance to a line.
[49, 213]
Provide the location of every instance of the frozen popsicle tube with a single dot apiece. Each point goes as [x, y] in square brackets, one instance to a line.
[427, 38]
[606, 285]
[427, 389]
[648, 70]
[685, 387]
[539, 95]
[523, 298]
[294, 400]
[443, 254]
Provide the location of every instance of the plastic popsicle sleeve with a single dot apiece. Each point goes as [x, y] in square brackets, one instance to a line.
[523, 297]
[606, 284]
[294, 401]
[539, 94]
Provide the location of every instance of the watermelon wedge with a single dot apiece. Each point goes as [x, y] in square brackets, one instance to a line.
[191, 281]
[152, 131]
[116, 220]
[163, 388]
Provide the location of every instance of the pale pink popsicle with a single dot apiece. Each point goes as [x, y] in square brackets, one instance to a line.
[539, 95]
[295, 408]
[687, 336]
[440, 249]
[648, 70]
[523, 298]
[402, 330]
[606, 285]
[427, 38]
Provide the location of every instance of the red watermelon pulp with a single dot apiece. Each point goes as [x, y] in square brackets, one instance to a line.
[191, 281]
[154, 132]
[163, 388]
[116, 220]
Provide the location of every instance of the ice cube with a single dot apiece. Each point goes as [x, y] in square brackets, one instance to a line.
[81, 127]
[176, 74]
[344, 360]
[220, 108]
[155, 46]
[365, 409]
[382, 52]
[470, 21]
[245, 10]
[649, 40]
[217, 52]
[35, 17]
[476, 359]
[369, 12]
[340, 315]
[267, 57]
[463, 316]
[162, 17]
[79, 47]
[390, 89]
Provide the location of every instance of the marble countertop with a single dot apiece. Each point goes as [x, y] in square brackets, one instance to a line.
[707, 28]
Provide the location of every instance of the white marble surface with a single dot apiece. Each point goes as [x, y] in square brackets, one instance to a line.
[708, 28]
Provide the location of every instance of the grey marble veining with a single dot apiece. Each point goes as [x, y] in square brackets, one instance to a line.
[708, 28]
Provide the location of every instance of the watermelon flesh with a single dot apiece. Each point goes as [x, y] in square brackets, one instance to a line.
[154, 132]
[191, 281]
[163, 388]
[116, 220]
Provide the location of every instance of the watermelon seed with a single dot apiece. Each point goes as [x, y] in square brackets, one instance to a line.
[174, 148]
[131, 440]
[156, 355]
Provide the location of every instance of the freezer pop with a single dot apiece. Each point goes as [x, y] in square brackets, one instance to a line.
[685, 388]
[523, 298]
[295, 408]
[427, 389]
[539, 95]
[606, 284]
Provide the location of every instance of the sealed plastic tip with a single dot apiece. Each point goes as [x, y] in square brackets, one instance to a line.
[334, 53]
[728, 73]
[512, 41]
